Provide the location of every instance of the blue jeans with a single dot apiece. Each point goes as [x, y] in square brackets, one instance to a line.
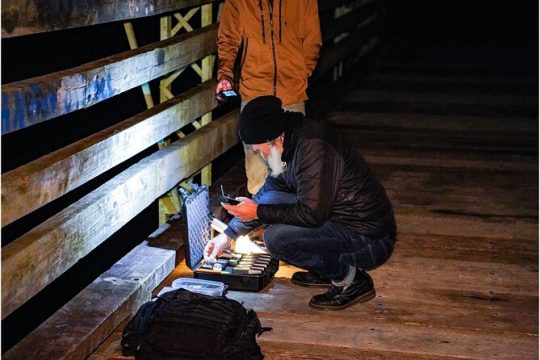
[327, 250]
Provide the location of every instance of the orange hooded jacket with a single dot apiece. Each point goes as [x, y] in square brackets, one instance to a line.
[280, 46]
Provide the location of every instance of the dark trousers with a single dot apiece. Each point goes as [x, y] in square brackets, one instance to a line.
[327, 250]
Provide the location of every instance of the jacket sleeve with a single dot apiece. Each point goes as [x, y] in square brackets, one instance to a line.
[229, 40]
[312, 40]
[238, 228]
[318, 176]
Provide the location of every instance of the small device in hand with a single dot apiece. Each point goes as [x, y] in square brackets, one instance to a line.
[226, 199]
[227, 96]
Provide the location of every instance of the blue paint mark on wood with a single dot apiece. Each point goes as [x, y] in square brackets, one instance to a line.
[5, 111]
[20, 113]
[100, 88]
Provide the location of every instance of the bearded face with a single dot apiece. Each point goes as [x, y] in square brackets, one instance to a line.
[274, 161]
[271, 152]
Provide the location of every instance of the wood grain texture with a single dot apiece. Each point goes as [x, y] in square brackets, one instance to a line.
[21, 18]
[35, 184]
[409, 338]
[35, 259]
[41, 98]
[85, 321]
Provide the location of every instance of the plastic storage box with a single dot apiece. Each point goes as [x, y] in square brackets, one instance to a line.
[206, 287]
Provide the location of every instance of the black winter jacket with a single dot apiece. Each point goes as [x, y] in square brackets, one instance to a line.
[331, 182]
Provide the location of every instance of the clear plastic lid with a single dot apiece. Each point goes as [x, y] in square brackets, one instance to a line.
[206, 287]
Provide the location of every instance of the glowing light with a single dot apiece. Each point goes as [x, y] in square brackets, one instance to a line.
[244, 245]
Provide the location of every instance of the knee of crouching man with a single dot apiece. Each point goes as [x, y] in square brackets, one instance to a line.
[275, 241]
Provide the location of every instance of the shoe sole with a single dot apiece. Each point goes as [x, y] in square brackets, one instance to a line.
[319, 285]
[362, 299]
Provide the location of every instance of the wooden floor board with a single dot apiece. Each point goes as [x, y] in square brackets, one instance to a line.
[362, 95]
[409, 338]
[462, 282]
[281, 350]
[466, 160]
[469, 248]
[356, 119]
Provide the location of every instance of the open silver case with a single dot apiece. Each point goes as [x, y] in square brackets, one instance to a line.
[246, 270]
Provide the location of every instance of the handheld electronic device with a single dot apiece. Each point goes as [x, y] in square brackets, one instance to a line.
[226, 199]
[227, 96]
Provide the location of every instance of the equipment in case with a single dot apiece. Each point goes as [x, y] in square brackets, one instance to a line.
[248, 272]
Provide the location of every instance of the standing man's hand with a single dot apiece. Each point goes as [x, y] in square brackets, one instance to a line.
[222, 85]
[245, 211]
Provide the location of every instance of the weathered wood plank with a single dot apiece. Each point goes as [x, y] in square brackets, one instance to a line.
[331, 55]
[427, 304]
[31, 17]
[275, 350]
[35, 184]
[478, 194]
[450, 87]
[442, 80]
[81, 325]
[451, 69]
[31, 101]
[368, 95]
[464, 160]
[468, 248]
[489, 110]
[364, 119]
[111, 347]
[415, 221]
[173, 238]
[330, 28]
[325, 5]
[408, 338]
[440, 140]
[35, 259]
[463, 275]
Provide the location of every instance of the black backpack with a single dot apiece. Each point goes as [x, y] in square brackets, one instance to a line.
[184, 325]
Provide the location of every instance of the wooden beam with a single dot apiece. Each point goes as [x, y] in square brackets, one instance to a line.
[35, 184]
[333, 54]
[84, 322]
[333, 27]
[325, 5]
[31, 17]
[36, 258]
[132, 39]
[207, 69]
[31, 101]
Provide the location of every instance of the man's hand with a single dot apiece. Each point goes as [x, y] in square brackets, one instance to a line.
[216, 246]
[222, 85]
[245, 211]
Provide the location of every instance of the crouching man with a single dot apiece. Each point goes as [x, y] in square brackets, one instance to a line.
[324, 209]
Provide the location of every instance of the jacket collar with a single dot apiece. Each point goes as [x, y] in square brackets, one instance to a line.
[292, 135]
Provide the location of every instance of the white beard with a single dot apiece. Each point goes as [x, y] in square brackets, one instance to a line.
[277, 166]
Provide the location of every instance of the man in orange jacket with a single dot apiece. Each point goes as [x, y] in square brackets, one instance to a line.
[280, 42]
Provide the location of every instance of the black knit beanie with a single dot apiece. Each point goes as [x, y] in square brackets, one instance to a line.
[262, 120]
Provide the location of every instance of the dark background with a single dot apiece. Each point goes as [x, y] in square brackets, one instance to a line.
[481, 32]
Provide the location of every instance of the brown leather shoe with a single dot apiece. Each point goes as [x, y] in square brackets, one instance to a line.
[338, 298]
[304, 278]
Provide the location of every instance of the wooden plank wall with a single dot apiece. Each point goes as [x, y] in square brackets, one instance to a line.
[32, 17]
[38, 257]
